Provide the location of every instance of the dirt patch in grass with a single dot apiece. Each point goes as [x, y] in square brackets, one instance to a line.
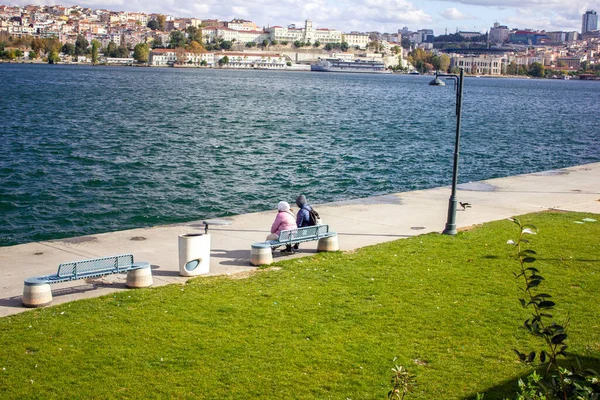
[252, 272]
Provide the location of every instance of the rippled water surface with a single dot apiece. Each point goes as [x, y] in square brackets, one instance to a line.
[88, 150]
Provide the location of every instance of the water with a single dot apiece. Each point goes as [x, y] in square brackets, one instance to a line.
[95, 149]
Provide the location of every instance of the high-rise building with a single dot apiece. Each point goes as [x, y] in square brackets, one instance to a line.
[589, 21]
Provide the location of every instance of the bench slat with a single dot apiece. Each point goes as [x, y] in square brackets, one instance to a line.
[89, 268]
[299, 235]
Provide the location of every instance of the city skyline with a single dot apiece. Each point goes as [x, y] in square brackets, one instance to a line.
[368, 15]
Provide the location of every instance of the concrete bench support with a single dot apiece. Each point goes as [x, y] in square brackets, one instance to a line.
[36, 294]
[261, 254]
[139, 278]
[329, 243]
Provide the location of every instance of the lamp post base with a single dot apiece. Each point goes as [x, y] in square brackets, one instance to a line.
[451, 222]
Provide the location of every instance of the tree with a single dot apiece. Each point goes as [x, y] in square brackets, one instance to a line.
[33, 55]
[68, 49]
[444, 62]
[122, 51]
[316, 43]
[53, 57]
[223, 61]
[111, 49]
[265, 43]
[396, 49]
[95, 46]
[177, 39]
[141, 52]
[226, 44]
[328, 47]
[250, 44]
[195, 47]
[194, 34]
[405, 43]
[153, 24]
[81, 45]
[536, 69]
[37, 45]
[344, 46]
[161, 19]
[157, 42]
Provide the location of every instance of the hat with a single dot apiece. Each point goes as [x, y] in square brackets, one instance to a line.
[283, 206]
[301, 200]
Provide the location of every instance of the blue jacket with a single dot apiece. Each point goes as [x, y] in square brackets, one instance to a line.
[303, 217]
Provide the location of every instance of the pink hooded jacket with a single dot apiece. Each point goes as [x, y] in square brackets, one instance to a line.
[283, 221]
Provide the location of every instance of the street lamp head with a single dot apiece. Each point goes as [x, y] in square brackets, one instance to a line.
[437, 82]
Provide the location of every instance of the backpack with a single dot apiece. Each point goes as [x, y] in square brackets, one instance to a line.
[313, 218]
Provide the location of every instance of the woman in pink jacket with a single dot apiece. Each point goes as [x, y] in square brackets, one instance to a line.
[284, 220]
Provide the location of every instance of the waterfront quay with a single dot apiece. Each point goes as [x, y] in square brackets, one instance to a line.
[359, 223]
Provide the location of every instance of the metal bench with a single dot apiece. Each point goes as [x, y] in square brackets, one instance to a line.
[261, 252]
[37, 292]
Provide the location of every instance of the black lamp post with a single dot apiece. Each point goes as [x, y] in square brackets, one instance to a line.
[452, 204]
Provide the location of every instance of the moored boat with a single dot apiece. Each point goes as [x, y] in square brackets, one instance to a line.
[356, 66]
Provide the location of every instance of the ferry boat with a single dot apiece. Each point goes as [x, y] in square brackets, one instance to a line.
[360, 66]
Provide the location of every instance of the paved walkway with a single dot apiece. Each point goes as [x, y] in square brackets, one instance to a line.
[358, 222]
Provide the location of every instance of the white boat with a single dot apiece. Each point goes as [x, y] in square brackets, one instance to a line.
[356, 66]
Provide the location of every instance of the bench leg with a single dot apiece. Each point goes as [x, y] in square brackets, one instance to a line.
[328, 244]
[261, 254]
[139, 278]
[36, 295]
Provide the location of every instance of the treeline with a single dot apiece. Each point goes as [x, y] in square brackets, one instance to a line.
[426, 61]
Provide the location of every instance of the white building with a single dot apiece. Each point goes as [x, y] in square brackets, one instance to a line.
[359, 40]
[253, 60]
[306, 34]
[166, 57]
[232, 35]
[483, 64]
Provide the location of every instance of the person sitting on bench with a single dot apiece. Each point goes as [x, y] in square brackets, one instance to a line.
[284, 220]
[303, 215]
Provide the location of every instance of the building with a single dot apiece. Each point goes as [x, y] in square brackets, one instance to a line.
[482, 64]
[306, 34]
[354, 39]
[589, 21]
[499, 33]
[528, 37]
[557, 37]
[167, 57]
[469, 35]
[242, 25]
[250, 60]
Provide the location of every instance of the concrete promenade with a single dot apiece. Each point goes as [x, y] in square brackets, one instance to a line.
[358, 223]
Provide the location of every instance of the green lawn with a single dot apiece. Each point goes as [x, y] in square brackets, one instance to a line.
[330, 326]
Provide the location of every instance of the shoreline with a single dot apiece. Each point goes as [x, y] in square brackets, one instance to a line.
[358, 223]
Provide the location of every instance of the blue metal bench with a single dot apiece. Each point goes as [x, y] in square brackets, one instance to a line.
[37, 293]
[261, 251]
[299, 235]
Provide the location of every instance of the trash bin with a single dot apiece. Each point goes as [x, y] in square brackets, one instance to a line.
[194, 254]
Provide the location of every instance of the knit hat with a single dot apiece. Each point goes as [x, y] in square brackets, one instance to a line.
[301, 200]
[283, 206]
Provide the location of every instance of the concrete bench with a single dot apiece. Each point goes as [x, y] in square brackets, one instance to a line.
[261, 253]
[37, 292]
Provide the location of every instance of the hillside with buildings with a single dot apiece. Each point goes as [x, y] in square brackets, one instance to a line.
[84, 35]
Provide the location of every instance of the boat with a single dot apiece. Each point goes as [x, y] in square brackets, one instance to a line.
[414, 72]
[339, 65]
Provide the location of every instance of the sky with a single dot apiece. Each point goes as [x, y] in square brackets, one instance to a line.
[367, 15]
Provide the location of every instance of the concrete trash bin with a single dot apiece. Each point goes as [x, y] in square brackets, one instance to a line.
[194, 254]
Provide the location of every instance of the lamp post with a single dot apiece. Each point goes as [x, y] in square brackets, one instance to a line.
[453, 202]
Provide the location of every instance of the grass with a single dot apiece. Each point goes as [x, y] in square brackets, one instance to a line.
[328, 326]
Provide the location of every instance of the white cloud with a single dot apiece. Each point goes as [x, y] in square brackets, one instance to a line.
[454, 14]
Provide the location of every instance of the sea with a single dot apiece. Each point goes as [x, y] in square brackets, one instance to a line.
[86, 150]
